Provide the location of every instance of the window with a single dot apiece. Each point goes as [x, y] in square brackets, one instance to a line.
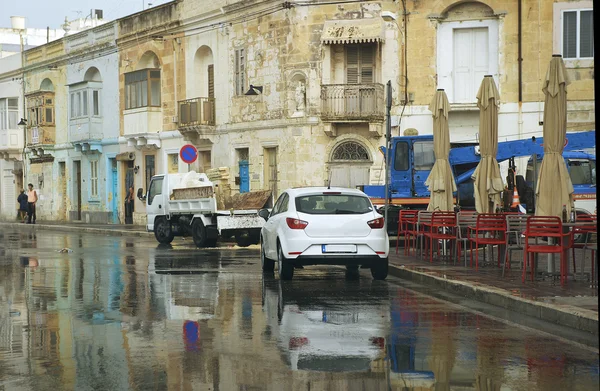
[80, 103]
[333, 204]
[204, 157]
[240, 71]
[583, 172]
[150, 168]
[471, 62]
[401, 157]
[578, 34]
[360, 64]
[142, 88]
[423, 155]
[96, 103]
[94, 178]
[9, 113]
[350, 150]
[41, 109]
[155, 189]
[279, 205]
[173, 163]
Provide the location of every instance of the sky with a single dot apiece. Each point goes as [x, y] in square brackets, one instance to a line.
[48, 13]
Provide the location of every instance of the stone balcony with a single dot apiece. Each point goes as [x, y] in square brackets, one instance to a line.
[11, 144]
[346, 103]
[86, 134]
[141, 127]
[197, 118]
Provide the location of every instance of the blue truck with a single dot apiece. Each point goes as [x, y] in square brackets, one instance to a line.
[412, 158]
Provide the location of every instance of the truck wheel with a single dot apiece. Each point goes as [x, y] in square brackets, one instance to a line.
[285, 268]
[243, 240]
[162, 231]
[379, 269]
[199, 234]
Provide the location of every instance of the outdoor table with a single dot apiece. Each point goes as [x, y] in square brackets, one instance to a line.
[567, 227]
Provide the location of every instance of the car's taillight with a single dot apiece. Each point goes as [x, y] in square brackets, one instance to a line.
[296, 223]
[298, 342]
[377, 223]
[378, 341]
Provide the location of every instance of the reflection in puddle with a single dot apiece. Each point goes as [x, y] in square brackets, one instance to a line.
[148, 317]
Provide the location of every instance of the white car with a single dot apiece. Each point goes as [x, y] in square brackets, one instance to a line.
[324, 226]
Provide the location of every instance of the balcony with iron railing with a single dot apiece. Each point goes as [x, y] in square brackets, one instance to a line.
[352, 102]
[197, 112]
[197, 118]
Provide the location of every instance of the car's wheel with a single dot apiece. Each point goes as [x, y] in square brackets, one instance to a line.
[268, 265]
[243, 240]
[379, 269]
[285, 268]
[199, 233]
[162, 231]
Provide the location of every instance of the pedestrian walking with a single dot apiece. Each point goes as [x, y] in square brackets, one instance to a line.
[129, 200]
[32, 199]
[22, 200]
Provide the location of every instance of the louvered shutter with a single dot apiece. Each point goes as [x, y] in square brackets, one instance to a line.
[211, 81]
[586, 38]
[352, 65]
[570, 34]
[367, 64]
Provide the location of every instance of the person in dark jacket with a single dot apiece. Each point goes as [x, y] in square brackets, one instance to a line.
[22, 200]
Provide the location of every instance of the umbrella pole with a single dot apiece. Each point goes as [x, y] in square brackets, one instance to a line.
[388, 135]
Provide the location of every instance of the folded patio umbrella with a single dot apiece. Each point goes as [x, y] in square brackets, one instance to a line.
[554, 188]
[488, 182]
[440, 181]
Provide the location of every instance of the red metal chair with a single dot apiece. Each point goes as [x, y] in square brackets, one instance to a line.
[490, 229]
[407, 225]
[589, 225]
[442, 227]
[545, 227]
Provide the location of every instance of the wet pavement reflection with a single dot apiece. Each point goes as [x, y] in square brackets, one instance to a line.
[119, 313]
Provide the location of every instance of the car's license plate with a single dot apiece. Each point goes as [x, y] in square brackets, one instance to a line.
[339, 248]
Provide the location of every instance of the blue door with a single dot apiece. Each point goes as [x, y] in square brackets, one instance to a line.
[113, 190]
[244, 176]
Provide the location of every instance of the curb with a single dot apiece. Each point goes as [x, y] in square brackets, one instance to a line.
[566, 315]
[70, 228]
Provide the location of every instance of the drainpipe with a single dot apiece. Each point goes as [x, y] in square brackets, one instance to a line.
[520, 65]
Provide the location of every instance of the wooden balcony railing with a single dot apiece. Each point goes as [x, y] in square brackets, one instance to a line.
[197, 111]
[352, 102]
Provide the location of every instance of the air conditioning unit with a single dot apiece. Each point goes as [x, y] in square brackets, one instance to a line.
[174, 119]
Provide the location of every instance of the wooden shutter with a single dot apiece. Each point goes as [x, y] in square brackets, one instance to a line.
[367, 64]
[211, 81]
[352, 65]
[240, 71]
[570, 34]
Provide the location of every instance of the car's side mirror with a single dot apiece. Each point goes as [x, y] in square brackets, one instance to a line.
[141, 195]
[264, 213]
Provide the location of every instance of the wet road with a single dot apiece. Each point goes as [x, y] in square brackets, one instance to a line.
[121, 313]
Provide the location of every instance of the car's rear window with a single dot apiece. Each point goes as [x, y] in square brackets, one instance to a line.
[333, 204]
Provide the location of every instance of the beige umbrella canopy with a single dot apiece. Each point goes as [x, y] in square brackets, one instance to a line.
[554, 188]
[440, 181]
[488, 182]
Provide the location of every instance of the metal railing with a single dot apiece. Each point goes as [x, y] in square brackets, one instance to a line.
[197, 111]
[352, 102]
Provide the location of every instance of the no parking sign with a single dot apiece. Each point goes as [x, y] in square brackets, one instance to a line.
[188, 154]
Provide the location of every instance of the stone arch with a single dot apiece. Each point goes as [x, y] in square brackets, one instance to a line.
[204, 75]
[47, 85]
[349, 163]
[149, 60]
[92, 74]
[467, 10]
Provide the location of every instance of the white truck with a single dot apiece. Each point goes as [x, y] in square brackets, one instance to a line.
[186, 205]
